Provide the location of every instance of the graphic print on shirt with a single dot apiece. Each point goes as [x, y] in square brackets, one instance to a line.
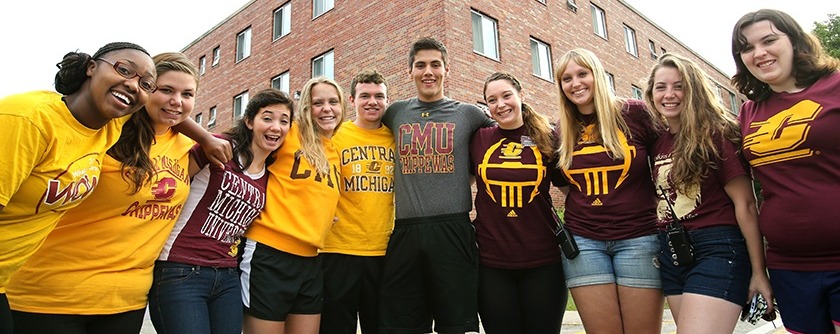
[372, 169]
[298, 173]
[506, 156]
[684, 204]
[426, 149]
[236, 204]
[82, 174]
[598, 180]
[780, 137]
[167, 175]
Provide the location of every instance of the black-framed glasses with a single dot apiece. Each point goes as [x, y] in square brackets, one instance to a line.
[147, 84]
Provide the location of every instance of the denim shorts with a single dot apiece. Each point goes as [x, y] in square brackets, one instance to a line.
[721, 268]
[628, 262]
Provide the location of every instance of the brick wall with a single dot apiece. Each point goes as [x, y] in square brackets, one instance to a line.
[377, 34]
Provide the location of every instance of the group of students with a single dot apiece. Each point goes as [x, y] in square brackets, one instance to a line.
[297, 221]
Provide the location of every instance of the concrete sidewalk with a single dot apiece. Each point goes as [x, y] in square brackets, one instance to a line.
[573, 325]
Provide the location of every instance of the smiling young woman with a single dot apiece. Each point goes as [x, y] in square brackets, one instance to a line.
[612, 216]
[789, 129]
[196, 287]
[54, 142]
[93, 272]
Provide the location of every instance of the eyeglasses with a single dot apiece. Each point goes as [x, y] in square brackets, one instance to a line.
[147, 84]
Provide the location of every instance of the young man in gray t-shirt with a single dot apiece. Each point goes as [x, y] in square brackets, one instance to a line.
[431, 264]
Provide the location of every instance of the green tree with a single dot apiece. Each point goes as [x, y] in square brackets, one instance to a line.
[828, 32]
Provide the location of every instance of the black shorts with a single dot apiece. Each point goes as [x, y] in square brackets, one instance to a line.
[42, 323]
[431, 272]
[351, 292]
[276, 284]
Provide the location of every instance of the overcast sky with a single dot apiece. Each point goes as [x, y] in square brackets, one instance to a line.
[35, 35]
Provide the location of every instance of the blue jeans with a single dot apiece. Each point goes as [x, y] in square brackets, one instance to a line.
[194, 299]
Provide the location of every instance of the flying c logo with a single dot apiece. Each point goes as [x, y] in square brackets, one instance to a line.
[164, 189]
[779, 137]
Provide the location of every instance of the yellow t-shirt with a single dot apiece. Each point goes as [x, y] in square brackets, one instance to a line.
[300, 204]
[51, 163]
[366, 206]
[100, 256]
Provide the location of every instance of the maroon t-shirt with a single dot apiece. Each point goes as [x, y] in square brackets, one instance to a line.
[701, 206]
[614, 199]
[222, 204]
[512, 203]
[792, 142]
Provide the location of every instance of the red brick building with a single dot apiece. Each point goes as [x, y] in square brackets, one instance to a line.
[286, 42]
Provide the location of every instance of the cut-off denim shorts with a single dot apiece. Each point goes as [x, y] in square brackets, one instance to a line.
[721, 268]
[628, 262]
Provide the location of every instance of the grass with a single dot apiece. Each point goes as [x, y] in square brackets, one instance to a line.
[570, 304]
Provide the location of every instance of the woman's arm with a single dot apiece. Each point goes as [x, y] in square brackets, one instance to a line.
[218, 150]
[740, 191]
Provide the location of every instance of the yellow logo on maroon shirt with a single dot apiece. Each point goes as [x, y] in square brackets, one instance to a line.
[596, 178]
[511, 193]
[779, 138]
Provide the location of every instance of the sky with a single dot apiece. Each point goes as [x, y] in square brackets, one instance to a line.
[49, 29]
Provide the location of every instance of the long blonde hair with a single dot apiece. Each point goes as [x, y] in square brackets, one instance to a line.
[703, 120]
[311, 142]
[608, 118]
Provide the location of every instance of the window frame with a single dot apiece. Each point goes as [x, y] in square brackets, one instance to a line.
[324, 4]
[243, 51]
[198, 118]
[484, 20]
[285, 28]
[211, 120]
[537, 59]
[611, 81]
[284, 77]
[652, 49]
[637, 92]
[733, 103]
[217, 55]
[202, 65]
[243, 103]
[630, 44]
[329, 55]
[599, 21]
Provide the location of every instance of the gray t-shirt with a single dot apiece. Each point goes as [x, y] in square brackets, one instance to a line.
[432, 141]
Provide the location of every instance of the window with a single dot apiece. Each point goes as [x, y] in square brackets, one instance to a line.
[282, 20]
[321, 6]
[637, 92]
[652, 48]
[485, 37]
[733, 103]
[663, 51]
[323, 65]
[239, 104]
[281, 82]
[611, 80]
[599, 21]
[243, 44]
[571, 5]
[542, 1]
[202, 65]
[217, 54]
[541, 59]
[211, 122]
[198, 118]
[630, 41]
